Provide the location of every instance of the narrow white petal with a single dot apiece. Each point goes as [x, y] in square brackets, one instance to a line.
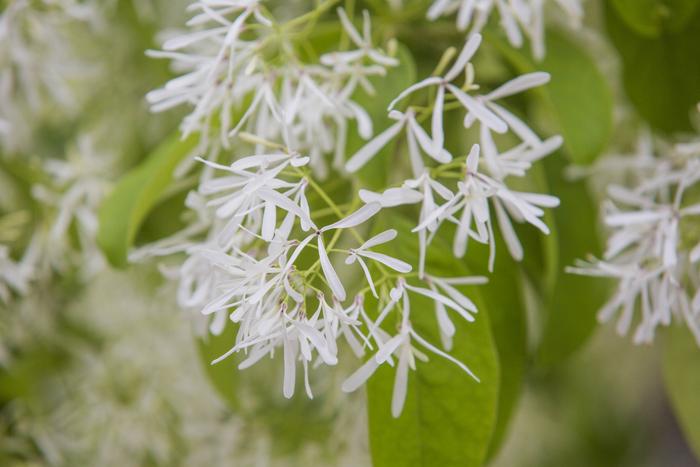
[438, 134]
[386, 236]
[480, 111]
[289, 368]
[468, 51]
[328, 271]
[393, 263]
[415, 87]
[356, 218]
[439, 352]
[369, 150]
[400, 383]
[519, 84]
[392, 197]
[360, 375]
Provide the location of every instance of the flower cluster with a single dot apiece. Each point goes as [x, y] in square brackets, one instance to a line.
[653, 248]
[245, 66]
[519, 19]
[297, 264]
[38, 66]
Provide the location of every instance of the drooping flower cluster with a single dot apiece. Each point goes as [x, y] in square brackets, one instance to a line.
[520, 19]
[481, 184]
[269, 239]
[653, 248]
[38, 67]
[229, 72]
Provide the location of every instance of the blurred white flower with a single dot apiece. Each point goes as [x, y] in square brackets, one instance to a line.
[653, 249]
[517, 17]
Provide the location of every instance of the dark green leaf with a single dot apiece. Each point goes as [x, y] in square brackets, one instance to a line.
[224, 376]
[681, 368]
[135, 194]
[448, 418]
[651, 17]
[661, 75]
[571, 302]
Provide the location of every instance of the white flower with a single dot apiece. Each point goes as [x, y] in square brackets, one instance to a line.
[401, 346]
[362, 41]
[516, 17]
[651, 251]
[15, 276]
[357, 254]
[415, 136]
[444, 85]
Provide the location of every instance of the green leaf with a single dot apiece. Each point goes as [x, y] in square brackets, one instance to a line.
[126, 207]
[448, 418]
[681, 369]
[577, 97]
[503, 302]
[224, 376]
[571, 303]
[661, 75]
[651, 17]
[376, 172]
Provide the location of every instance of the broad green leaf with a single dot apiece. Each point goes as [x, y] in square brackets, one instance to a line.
[572, 301]
[376, 172]
[448, 418]
[661, 75]
[135, 194]
[578, 96]
[502, 299]
[503, 302]
[651, 17]
[681, 369]
[224, 376]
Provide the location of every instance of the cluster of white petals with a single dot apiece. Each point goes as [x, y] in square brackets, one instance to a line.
[293, 268]
[484, 170]
[226, 73]
[38, 64]
[519, 19]
[653, 248]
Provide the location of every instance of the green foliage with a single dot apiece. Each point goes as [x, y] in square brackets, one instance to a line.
[661, 71]
[652, 17]
[571, 302]
[578, 98]
[681, 369]
[136, 193]
[223, 375]
[503, 300]
[448, 418]
[580, 104]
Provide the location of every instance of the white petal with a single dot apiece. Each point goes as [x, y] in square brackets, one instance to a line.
[328, 271]
[468, 51]
[439, 352]
[356, 218]
[400, 383]
[289, 368]
[441, 298]
[393, 263]
[360, 375]
[509, 236]
[369, 150]
[480, 111]
[438, 134]
[386, 236]
[519, 84]
[415, 87]
[392, 197]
